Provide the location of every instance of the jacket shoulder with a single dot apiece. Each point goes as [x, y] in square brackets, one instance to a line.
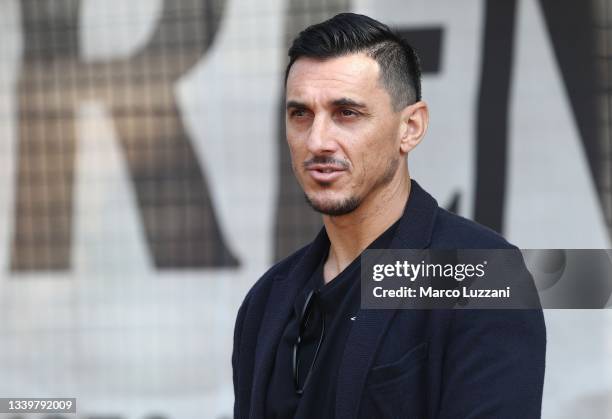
[283, 267]
[453, 231]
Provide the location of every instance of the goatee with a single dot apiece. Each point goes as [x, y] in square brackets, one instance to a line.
[335, 208]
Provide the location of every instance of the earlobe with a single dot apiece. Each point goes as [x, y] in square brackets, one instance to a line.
[415, 119]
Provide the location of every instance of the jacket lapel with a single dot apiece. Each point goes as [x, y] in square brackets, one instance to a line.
[283, 293]
[414, 232]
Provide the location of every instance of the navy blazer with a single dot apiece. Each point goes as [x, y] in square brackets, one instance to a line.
[445, 364]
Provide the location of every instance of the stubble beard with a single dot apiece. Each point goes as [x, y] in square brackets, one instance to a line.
[349, 204]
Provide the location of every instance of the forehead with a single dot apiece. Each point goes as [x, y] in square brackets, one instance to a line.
[355, 75]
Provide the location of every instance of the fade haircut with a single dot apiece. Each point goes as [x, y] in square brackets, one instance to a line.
[349, 33]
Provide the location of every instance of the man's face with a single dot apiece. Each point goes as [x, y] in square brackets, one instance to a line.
[342, 131]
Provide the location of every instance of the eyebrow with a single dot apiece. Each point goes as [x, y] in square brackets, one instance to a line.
[293, 104]
[348, 102]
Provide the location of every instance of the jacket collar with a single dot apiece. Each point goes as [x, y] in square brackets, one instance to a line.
[282, 296]
[413, 232]
[416, 225]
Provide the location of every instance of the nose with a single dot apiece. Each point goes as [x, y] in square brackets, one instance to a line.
[320, 138]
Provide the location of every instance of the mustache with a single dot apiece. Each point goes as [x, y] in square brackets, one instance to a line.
[326, 160]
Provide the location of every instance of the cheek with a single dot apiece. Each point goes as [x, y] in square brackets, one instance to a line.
[297, 156]
[376, 144]
[375, 159]
[294, 145]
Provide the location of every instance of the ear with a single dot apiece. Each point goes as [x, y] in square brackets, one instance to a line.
[414, 122]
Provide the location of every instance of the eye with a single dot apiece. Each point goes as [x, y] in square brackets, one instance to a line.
[297, 113]
[348, 113]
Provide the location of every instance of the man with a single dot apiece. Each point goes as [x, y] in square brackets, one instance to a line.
[303, 347]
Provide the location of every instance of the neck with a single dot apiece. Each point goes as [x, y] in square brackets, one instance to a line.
[351, 233]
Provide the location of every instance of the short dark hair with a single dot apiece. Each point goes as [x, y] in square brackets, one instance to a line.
[348, 33]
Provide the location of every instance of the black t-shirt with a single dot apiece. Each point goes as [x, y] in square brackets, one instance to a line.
[338, 301]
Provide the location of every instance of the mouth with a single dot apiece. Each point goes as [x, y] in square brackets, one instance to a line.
[325, 173]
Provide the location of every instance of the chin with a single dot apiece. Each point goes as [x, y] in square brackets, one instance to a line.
[334, 207]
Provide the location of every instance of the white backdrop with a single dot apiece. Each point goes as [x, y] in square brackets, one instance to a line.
[130, 340]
